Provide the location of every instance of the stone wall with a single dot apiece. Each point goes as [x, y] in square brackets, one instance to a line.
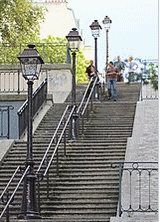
[59, 82]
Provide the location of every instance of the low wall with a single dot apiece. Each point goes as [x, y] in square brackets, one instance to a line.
[59, 81]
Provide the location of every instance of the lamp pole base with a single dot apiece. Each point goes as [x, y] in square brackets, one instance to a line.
[29, 209]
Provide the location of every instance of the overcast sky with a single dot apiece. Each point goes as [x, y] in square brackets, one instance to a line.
[134, 28]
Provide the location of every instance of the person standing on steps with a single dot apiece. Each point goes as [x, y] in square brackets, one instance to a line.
[132, 68]
[112, 73]
[121, 67]
[90, 70]
[90, 74]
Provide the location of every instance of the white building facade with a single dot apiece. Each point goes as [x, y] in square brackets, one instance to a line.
[59, 20]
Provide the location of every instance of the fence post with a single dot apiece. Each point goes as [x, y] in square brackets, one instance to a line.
[47, 179]
[64, 138]
[57, 155]
[120, 189]
[7, 211]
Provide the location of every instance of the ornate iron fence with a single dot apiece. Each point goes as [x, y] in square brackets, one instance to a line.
[138, 186]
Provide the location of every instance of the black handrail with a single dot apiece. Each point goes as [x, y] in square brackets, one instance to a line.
[9, 201]
[39, 98]
[5, 108]
[84, 105]
[52, 139]
[138, 167]
[59, 140]
[64, 120]
[55, 151]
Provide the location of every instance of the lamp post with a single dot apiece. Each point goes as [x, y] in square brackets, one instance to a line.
[74, 40]
[31, 63]
[95, 29]
[107, 22]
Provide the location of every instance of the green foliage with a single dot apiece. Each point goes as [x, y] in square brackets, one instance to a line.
[152, 74]
[81, 65]
[54, 50]
[19, 21]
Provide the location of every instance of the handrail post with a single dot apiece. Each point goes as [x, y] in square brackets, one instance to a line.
[8, 134]
[39, 199]
[82, 124]
[47, 178]
[18, 82]
[141, 90]
[7, 210]
[120, 189]
[92, 102]
[64, 138]
[57, 155]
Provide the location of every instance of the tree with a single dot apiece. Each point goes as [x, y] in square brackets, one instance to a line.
[81, 64]
[152, 74]
[56, 52]
[19, 21]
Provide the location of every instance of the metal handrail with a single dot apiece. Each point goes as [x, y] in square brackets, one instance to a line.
[134, 166]
[89, 97]
[12, 196]
[59, 140]
[84, 96]
[38, 102]
[52, 139]
[49, 146]
[9, 182]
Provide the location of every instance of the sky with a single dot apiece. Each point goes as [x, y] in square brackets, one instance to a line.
[134, 28]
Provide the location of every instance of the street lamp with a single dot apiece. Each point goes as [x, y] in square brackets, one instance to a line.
[95, 29]
[31, 63]
[74, 40]
[107, 23]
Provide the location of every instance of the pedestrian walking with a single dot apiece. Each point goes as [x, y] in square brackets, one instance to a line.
[132, 68]
[121, 67]
[90, 70]
[112, 73]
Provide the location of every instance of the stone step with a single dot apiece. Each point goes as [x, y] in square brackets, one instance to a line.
[87, 187]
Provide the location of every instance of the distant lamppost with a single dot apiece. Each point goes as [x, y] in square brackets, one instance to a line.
[74, 40]
[31, 63]
[95, 29]
[107, 23]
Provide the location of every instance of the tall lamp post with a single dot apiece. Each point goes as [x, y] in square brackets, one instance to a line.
[74, 40]
[95, 29]
[107, 23]
[31, 63]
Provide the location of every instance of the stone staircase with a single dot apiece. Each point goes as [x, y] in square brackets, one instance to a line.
[87, 187]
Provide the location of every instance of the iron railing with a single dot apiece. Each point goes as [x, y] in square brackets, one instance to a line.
[138, 186]
[59, 136]
[5, 121]
[12, 81]
[86, 105]
[39, 97]
[53, 53]
[10, 199]
[147, 92]
[50, 154]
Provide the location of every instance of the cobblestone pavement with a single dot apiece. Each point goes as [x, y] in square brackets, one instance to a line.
[141, 147]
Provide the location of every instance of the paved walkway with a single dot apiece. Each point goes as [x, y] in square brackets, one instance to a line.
[141, 147]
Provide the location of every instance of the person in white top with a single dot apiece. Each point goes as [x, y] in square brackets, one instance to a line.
[132, 68]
